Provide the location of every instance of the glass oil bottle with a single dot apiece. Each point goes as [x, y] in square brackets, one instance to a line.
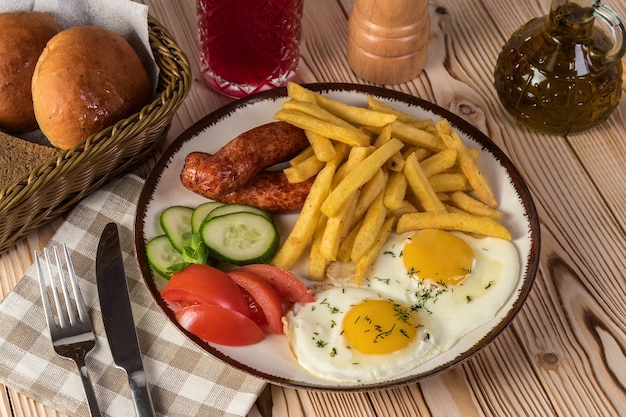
[561, 73]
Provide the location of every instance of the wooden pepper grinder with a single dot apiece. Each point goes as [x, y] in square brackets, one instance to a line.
[388, 40]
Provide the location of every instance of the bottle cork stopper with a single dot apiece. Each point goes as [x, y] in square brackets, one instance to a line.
[388, 41]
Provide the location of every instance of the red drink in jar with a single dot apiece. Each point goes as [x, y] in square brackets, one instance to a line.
[248, 46]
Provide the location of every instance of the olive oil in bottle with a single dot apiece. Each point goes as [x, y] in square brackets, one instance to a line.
[561, 73]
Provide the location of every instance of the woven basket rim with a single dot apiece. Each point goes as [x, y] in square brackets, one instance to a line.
[56, 185]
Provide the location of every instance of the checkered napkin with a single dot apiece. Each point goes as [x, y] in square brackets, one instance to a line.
[184, 380]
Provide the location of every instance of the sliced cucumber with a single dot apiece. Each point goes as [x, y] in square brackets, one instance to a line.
[237, 208]
[201, 212]
[176, 223]
[241, 238]
[163, 258]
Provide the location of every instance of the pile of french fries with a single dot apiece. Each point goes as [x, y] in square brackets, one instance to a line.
[378, 170]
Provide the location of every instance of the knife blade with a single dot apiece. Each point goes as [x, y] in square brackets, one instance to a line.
[117, 316]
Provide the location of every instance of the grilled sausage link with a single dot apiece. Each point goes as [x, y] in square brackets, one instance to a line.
[270, 190]
[241, 159]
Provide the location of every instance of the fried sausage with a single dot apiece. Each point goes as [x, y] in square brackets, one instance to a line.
[241, 159]
[270, 190]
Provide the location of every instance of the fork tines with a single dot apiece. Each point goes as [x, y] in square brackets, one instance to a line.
[64, 274]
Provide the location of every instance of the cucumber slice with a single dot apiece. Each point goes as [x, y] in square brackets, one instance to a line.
[241, 238]
[237, 208]
[163, 258]
[201, 212]
[176, 223]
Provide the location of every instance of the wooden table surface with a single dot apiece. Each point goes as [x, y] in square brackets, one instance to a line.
[564, 354]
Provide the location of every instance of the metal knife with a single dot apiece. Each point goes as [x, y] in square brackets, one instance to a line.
[117, 316]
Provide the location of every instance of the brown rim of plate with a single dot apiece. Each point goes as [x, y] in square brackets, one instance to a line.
[530, 265]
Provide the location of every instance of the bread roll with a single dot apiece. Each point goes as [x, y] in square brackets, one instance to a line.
[86, 79]
[23, 36]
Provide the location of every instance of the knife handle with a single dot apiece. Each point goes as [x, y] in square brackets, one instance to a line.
[141, 394]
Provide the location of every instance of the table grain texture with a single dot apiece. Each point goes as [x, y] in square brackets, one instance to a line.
[565, 352]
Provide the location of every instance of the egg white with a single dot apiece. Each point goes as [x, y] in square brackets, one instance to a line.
[453, 311]
[445, 313]
[315, 336]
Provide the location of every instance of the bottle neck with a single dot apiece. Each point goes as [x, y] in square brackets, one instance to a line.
[572, 19]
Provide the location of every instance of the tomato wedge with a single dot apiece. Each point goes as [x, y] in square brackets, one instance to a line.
[217, 324]
[266, 306]
[203, 284]
[286, 284]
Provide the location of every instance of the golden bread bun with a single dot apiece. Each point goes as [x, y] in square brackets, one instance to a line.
[23, 36]
[86, 79]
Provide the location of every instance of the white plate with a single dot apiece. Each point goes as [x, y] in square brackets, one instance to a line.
[271, 359]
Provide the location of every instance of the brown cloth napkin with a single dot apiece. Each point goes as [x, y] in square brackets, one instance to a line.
[184, 380]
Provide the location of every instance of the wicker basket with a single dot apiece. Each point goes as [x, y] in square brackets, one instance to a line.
[55, 187]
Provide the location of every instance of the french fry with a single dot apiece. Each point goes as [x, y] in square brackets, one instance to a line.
[444, 197]
[405, 208]
[347, 112]
[372, 222]
[336, 229]
[350, 136]
[368, 193]
[420, 186]
[463, 222]
[304, 170]
[358, 115]
[469, 204]
[452, 209]
[366, 261]
[420, 153]
[322, 146]
[297, 92]
[345, 247]
[439, 162]
[349, 217]
[414, 136]
[317, 262]
[474, 153]
[449, 183]
[305, 225]
[383, 136]
[313, 110]
[306, 153]
[467, 164]
[396, 163]
[378, 105]
[359, 176]
[395, 191]
[356, 156]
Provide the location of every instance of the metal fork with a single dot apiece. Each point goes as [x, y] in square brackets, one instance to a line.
[74, 338]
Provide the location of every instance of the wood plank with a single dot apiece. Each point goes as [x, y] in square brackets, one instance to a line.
[564, 353]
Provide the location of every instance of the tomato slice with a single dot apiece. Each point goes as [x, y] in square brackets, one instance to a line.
[286, 284]
[217, 324]
[269, 318]
[203, 284]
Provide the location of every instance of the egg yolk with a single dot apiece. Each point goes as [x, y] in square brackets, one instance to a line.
[379, 326]
[439, 256]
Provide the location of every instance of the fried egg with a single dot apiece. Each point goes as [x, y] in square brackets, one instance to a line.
[445, 284]
[354, 334]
